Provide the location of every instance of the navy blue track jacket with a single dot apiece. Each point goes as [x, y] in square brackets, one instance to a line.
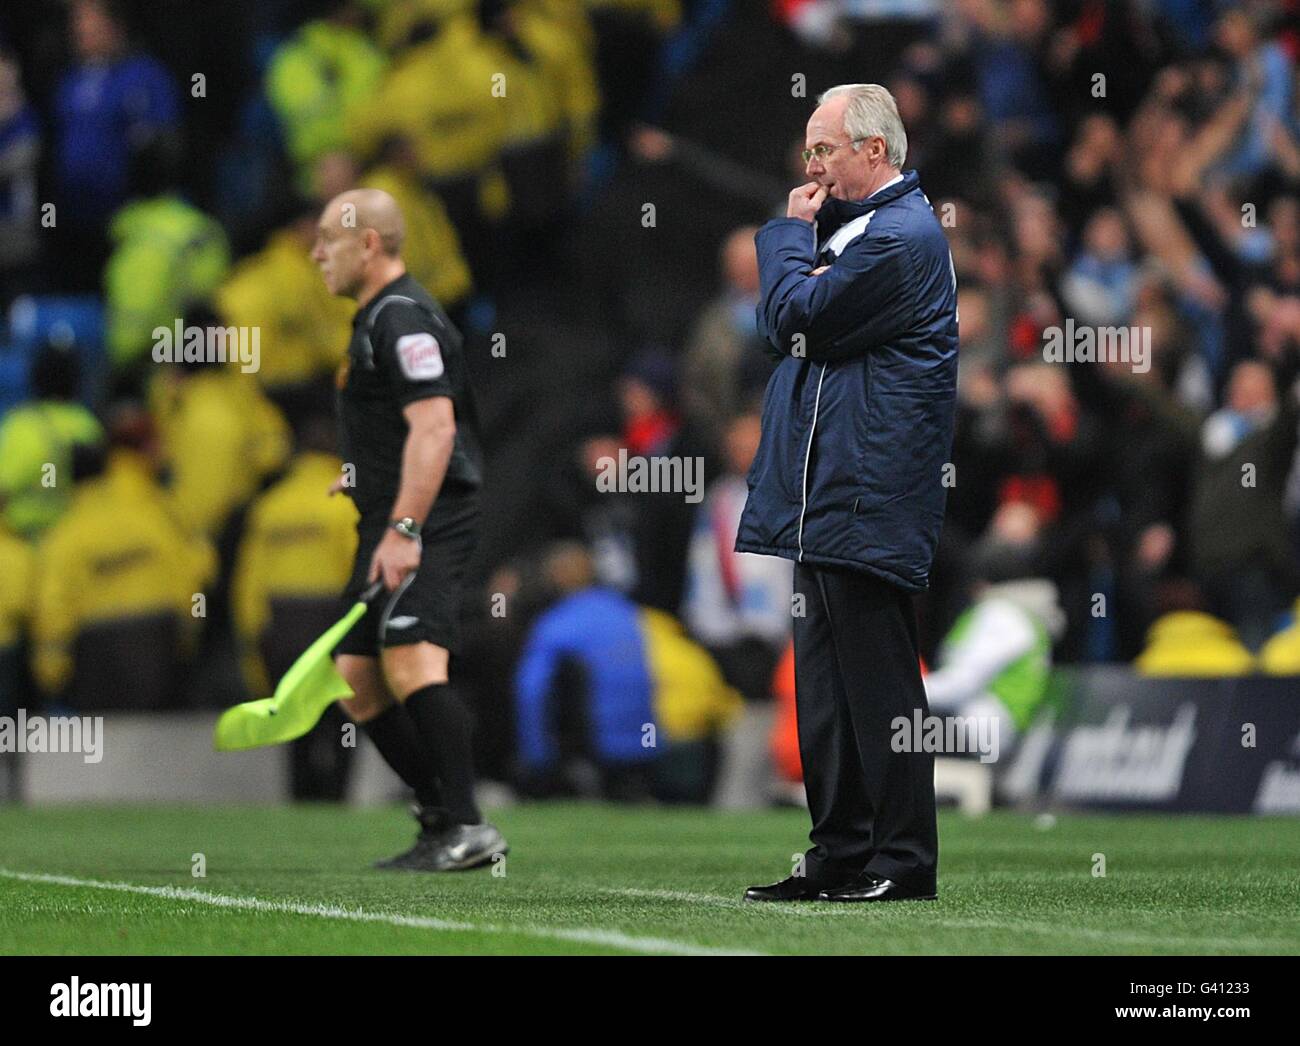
[858, 415]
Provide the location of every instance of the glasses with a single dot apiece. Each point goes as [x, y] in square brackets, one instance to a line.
[823, 151]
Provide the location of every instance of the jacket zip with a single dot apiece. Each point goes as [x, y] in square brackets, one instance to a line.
[812, 434]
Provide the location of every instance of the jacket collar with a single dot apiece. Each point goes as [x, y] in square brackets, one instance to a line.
[834, 213]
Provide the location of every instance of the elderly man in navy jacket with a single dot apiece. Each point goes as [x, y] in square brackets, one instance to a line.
[859, 301]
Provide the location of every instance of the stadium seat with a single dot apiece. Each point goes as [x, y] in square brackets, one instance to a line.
[76, 320]
[14, 367]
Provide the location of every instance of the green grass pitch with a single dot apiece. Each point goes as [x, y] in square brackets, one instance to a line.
[594, 879]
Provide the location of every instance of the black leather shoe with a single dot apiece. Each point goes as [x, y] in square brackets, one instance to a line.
[795, 888]
[868, 887]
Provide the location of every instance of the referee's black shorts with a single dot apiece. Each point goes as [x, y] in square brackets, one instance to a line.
[425, 607]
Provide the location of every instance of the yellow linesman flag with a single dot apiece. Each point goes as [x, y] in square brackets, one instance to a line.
[301, 697]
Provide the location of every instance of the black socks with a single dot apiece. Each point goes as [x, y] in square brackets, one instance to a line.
[444, 724]
[402, 747]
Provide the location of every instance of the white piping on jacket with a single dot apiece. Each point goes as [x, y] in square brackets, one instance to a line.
[812, 434]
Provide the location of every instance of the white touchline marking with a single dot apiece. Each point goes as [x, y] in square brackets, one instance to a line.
[1111, 936]
[609, 938]
[670, 895]
[613, 938]
[719, 901]
[1050, 929]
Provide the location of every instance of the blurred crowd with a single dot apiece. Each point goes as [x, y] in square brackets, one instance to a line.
[581, 182]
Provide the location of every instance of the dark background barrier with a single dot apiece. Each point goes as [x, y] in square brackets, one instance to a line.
[1115, 740]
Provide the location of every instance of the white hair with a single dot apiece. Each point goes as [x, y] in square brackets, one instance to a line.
[872, 113]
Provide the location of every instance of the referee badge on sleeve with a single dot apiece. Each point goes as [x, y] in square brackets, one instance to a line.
[420, 356]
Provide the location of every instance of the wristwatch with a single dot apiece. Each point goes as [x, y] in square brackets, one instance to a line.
[407, 527]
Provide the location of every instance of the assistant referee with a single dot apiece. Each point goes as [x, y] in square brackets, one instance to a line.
[412, 466]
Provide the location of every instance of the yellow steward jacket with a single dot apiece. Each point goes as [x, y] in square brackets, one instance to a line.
[431, 249]
[298, 542]
[166, 254]
[559, 36]
[314, 79]
[17, 580]
[115, 554]
[1280, 656]
[304, 328]
[438, 94]
[32, 437]
[692, 700]
[1189, 643]
[222, 439]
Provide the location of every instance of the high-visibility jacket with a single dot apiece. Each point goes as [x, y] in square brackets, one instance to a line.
[1189, 643]
[692, 701]
[113, 556]
[134, 479]
[298, 543]
[17, 580]
[395, 20]
[534, 95]
[167, 255]
[34, 437]
[314, 79]
[560, 38]
[439, 95]
[1280, 656]
[222, 439]
[304, 329]
[431, 249]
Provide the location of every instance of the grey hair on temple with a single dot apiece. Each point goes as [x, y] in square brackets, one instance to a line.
[872, 113]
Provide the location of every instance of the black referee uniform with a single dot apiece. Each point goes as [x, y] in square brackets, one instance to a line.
[403, 349]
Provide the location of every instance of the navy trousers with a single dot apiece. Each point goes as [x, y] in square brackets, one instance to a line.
[857, 668]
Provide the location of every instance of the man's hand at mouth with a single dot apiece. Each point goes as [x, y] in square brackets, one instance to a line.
[806, 201]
